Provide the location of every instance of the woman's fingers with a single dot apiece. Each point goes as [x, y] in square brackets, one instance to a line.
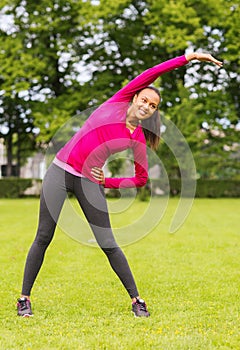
[98, 174]
[209, 58]
[203, 57]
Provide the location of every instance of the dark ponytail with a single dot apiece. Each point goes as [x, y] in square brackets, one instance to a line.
[151, 129]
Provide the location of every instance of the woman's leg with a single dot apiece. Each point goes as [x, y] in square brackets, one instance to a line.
[51, 202]
[92, 200]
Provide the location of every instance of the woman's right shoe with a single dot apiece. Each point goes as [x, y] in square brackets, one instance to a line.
[139, 308]
[24, 307]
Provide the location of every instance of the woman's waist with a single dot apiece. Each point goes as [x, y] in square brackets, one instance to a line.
[67, 167]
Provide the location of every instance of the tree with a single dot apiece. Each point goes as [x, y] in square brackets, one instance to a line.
[38, 81]
[17, 131]
[51, 42]
[212, 99]
[15, 119]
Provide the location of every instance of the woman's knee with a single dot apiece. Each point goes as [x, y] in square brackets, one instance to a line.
[110, 250]
[44, 235]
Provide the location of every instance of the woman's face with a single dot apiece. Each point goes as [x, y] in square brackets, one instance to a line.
[145, 104]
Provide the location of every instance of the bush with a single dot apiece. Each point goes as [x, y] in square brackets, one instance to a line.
[204, 188]
[144, 193]
[120, 193]
[14, 187]
[112, 193]
[218, 188]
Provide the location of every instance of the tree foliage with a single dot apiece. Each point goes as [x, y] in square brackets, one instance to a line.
[60, 57]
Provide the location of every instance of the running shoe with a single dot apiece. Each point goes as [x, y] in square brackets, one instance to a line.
[139, 308]
[24, 307]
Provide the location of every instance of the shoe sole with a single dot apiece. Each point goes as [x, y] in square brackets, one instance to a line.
[139, 316]
[26, 315]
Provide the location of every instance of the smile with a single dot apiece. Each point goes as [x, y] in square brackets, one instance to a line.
[142, 112]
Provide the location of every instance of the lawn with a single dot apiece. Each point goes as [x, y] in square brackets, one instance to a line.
[189, 279]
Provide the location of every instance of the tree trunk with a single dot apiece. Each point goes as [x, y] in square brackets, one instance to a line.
[9, 155]
[18, 155]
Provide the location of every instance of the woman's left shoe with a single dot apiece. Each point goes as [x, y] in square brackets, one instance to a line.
[139, 308]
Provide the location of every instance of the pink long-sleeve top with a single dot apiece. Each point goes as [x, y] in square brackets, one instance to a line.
[105, 133]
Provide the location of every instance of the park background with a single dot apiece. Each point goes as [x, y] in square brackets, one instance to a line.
[60, 58]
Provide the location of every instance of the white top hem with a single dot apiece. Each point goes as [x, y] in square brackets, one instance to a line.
[67, 167]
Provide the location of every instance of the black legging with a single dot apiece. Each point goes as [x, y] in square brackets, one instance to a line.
[92, 200]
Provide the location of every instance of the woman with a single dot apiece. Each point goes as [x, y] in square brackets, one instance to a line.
[129, 119]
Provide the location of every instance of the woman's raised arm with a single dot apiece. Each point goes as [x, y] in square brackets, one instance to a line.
[150, 75]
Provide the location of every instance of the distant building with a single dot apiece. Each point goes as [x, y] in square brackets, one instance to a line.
[34, 168]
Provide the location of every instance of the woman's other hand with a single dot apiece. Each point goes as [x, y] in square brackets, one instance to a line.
[203, 57]
[98, 175]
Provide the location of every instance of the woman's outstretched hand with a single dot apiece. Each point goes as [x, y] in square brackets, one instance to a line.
[203, 57]
[98, 175]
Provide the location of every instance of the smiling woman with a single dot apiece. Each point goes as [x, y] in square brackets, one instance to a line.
[144, 110]
[144, 104]
[129, 119]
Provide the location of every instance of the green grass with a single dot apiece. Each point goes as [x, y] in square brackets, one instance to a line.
[189, 279]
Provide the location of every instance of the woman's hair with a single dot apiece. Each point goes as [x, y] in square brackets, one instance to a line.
[151, 126]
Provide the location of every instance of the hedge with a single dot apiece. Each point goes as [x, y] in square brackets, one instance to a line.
[14, 187]
[218, 188]
[17, 188]
[204, 188]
